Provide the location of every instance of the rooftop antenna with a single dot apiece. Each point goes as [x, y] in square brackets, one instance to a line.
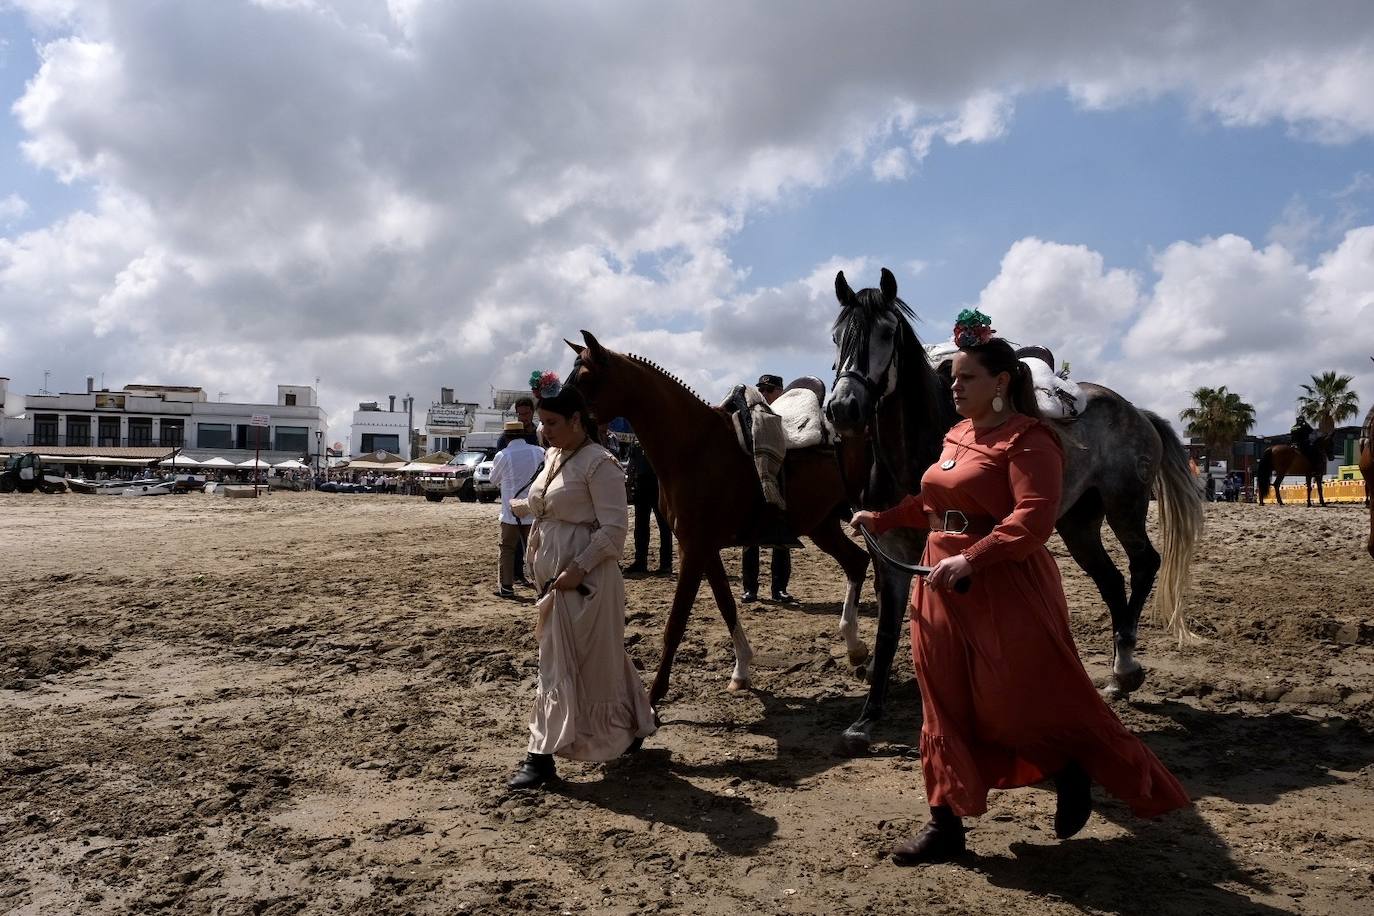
[222, 394]
[46, 373]
[102, 381]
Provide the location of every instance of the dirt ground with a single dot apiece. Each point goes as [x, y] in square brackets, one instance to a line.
[310, 704]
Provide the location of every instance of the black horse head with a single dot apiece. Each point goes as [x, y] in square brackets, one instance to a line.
[873, 326]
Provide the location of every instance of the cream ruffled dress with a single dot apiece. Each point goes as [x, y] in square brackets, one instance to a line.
[591, 703]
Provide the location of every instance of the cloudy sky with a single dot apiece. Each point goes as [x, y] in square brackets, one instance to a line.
[398, 195]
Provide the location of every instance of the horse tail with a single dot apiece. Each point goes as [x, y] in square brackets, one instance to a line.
[1181, 519]
[1264, 473]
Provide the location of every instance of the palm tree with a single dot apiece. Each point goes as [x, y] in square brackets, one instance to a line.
[1218, 417]
[1328, 401]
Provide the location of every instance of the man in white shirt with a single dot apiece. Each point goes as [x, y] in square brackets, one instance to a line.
[513, 471]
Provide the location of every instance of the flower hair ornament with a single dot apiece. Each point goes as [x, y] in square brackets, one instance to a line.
[972, 328]
[545, 384]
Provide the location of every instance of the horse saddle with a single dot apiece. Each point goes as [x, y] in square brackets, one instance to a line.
[1057, 397]
[799, 407]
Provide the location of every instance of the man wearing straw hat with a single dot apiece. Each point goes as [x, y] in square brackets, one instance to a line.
[513, 471]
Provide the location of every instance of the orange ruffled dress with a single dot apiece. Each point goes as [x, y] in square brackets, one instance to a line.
[1006, 700]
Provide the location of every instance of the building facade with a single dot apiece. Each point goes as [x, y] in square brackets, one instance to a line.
[168, 417]
[377, 430]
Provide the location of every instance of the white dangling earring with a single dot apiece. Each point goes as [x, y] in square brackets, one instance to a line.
[997, 403]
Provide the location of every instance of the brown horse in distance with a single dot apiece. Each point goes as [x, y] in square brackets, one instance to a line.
[1367, 470]
[710, 493]
[1278, 461]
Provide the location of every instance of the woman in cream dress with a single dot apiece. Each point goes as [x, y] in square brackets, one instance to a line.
[591, 704]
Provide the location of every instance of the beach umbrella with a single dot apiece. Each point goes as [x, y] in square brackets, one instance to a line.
[217, 462]
[252, 463]
[291, 465]
[180, 461]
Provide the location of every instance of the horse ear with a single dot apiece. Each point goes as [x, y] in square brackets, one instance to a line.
[572, 346]
[888, 284]
[843, 292]
[596, 353]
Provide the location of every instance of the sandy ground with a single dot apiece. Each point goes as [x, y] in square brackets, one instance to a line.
[310, 704]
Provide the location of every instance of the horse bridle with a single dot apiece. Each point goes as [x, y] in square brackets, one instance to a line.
[876, 392]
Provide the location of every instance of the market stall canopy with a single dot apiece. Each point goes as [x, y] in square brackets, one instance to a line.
[253, 463]
[180, 461]
[218, 462]
[291, 465]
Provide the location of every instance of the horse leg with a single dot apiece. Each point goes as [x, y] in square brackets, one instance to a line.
[725, 600]
[688, 582]
[1128, 523]
[893, 589]
[1321, 497]
[1278, 482]
[830, 537]
[1081, 530]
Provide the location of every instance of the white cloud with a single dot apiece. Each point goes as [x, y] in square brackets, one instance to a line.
[1217, 312]
[1059, 296]
[13, 208]
[418, 193]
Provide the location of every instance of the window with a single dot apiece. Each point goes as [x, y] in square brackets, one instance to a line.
[78, 430]
[293, 438]
[173, 433]
[45, 429]
[109, 431]
[249, 436]
[140, 431]
[290, 402]
[373, 442]
[214, 435]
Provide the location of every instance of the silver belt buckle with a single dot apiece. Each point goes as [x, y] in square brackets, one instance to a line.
[962, 517]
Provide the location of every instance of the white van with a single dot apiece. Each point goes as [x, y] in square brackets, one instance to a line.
[482, 441]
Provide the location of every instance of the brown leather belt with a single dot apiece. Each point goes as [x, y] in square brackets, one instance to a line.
[955, 522]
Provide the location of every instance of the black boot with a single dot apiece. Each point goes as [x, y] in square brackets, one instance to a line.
[773, 530]
[534, 771]
[939, 841]
[1074, 789]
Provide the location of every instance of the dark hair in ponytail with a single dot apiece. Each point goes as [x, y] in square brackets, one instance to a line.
[569, 403]
[997, 356]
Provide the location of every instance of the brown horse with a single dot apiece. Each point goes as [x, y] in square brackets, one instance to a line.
[1278, 461]
[1367, 469]
[710, 492]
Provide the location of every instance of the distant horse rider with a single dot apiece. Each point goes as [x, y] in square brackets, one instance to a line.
[767, 443]
[1306, 440]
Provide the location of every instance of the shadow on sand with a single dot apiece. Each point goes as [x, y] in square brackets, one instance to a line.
[648, 786]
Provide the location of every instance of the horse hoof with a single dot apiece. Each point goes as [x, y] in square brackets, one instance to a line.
[737, 684]
[857, 658]
[1121, 686]
[861, 673]
[853, 744]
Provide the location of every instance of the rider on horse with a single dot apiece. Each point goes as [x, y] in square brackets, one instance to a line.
[1313, 446]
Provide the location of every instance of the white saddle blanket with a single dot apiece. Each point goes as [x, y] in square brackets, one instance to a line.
[1058, 398]
[802, 419]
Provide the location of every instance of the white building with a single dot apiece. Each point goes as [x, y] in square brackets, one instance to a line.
[448, 422]
[159, 418]
[377, 430]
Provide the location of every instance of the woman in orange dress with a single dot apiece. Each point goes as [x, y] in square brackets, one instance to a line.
[1006, 700]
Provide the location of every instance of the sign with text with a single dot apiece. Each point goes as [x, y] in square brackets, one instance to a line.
[260, 419]
[455, 415]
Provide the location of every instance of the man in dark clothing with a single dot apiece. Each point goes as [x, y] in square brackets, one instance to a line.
[645, 502]
[770, 386]
[1304, 438]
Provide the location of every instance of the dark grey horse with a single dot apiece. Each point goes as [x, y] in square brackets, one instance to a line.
[892, 411]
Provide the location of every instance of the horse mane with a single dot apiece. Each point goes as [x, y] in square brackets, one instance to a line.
[650, 364]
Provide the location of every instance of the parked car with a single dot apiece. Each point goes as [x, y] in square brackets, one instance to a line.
[455, 477]
[481, 481]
